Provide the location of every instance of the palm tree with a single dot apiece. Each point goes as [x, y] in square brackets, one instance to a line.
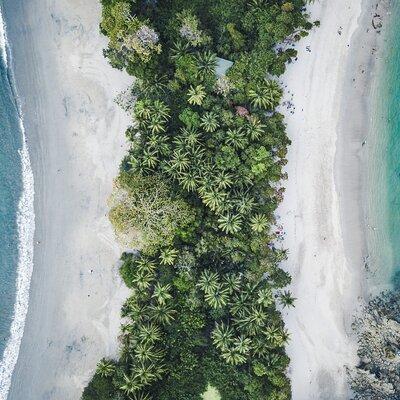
[149, 333]
[135, 163]
[179, 50]
[223, 180]
[155, 86]
[260, 347]
[162, 313]
[240, 304]
[209, 121]
[161, 110]
[149, 159]
[208, 281]
[244, 203]
[144, 374]
[230, 223]
[105, 368]
[196, 95]
[147, 352]
[168, 256]
[242, 345]
[233, 357]
[162, 293]
[257, 3]
[217, 298]
[159, 143]
[180, 161]
[213, 198]
[206, 64]
[259, 223]
[189, 180]
[142, 110]
[236, 138]
[274, 360]
[222, 336]
[232, 282]
[280, 254]
[254, 129]
[265, 297]
[137, 312]
[142, 279]
[254, 322]
[276, 336]
[127, 329]
[286, 299]
[196, 154]
[189, 137]
[145, 264]
[285, 337]
[141, 396]
[130, 385]
[156, 124]
[267, 96]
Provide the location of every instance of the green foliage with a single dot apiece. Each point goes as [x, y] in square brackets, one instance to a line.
[105, 368]
[196, 197]
[146, 213]
[189, 30]
[99, 388]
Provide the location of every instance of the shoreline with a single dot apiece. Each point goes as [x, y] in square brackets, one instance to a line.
[382, 256]
[25, 219]
[324, 211]
[74, 137]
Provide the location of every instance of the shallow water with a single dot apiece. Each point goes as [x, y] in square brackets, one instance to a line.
[383, 175]
[10, 193]
[17, 218]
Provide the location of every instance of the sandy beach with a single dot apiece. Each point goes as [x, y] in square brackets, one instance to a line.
[323, 210]
[75, 137]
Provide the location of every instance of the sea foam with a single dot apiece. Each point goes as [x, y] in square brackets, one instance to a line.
[3, 39]
[26, 229]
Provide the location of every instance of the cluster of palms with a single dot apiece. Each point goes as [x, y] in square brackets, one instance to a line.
[149, 310]
[266, 96]
[208, 148]
[251, 326]
[209, 160]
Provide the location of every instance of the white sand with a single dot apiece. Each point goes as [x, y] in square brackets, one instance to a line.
[76, 139]
[323, 210]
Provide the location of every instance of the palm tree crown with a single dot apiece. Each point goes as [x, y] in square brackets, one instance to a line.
[196, 95]
[267, 96]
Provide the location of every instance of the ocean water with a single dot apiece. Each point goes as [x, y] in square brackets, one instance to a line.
[16, 218]
[383, 175]
[10, 193]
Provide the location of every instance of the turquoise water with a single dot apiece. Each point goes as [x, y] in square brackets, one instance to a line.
[17, 218]
[384, 162]
[10, 193]
[393, 145]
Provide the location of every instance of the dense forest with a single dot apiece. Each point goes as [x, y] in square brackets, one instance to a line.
[196, 197]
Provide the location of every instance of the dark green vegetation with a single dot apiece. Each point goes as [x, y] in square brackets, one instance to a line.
[377, 377]
[197, 194]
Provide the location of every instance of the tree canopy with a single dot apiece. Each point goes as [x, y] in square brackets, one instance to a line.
[196, 196]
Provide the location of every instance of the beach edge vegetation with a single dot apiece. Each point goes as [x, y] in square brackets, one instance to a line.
[196, 197]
